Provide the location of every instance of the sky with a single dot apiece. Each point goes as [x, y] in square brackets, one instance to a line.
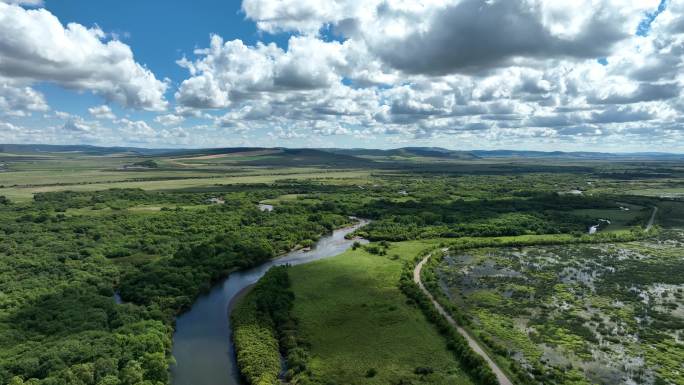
[582, 75]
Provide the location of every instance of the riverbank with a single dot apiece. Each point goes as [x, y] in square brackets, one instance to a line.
[202, 342]
[263, 328]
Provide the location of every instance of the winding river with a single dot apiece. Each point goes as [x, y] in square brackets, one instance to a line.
[202, 343]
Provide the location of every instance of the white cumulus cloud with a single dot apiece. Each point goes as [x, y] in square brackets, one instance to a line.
[35, 47]
[102, 112]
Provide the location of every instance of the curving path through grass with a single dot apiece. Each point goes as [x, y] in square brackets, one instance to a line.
[500, 375]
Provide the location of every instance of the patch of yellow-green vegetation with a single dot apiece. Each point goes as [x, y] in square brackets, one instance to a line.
[659, 192]
[101, 209]
[486, 298]
[283, 198]
[619, 311]
[258, 354]
[562, 293]
[504, 329]
[599, 302]
[625, 314]
[358, 323]
[667, 357]
[147, 208]
[88, 211]
[537, 239]
[566, 340]
[518, 290]
[574, 376]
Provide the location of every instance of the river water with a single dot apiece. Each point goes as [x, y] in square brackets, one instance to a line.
[202, 344]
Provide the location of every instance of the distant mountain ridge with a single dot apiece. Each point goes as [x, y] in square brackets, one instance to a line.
[345, 155]
[82, 148]
[429, 152]
[575, 154]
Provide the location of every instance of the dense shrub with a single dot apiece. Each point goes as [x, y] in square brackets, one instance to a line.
[263, 329]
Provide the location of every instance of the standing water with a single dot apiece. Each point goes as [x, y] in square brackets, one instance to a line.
[202, 343]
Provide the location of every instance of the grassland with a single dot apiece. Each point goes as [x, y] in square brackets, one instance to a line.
[358, 322]
[671, 214]
[618, 218]
[23, 175]
[84, 181]
[660, 192]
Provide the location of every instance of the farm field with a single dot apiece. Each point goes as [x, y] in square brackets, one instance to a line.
[93, 180]
[676, 192]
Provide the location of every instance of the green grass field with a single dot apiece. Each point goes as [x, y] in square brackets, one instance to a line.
[83, 182]
[356, 319]
[671, 214]
[619, 219]
[283, 198]
[659, 192]
[23, 176]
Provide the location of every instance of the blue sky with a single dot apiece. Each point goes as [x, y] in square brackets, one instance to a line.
[461, 74]
[159, 32]
[644, 26]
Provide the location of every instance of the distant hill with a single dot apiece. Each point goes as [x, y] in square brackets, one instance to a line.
[310, 157]
[407, 152]
[189, 152]
[576, 155]
[333, 156]
[84, 149]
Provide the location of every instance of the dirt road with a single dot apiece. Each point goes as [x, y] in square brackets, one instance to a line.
[503, 380]
[652, 220]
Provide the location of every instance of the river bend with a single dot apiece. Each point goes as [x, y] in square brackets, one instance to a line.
[202, 343]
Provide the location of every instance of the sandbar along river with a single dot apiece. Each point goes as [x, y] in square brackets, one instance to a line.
[202, 343]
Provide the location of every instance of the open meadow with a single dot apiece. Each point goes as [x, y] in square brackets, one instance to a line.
[359, 326]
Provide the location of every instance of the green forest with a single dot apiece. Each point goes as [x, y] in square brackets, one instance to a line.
[61, 266]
